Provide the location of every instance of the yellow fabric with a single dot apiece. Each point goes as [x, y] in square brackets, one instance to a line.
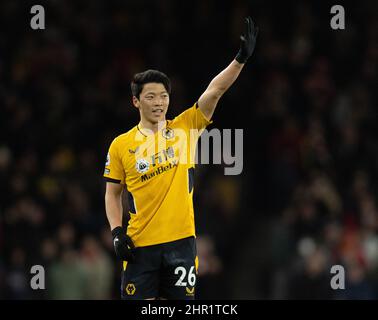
[154, 168]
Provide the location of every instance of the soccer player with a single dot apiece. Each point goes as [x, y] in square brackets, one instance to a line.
[158, 246]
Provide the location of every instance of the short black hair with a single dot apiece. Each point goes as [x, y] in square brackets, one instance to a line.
[148, 76]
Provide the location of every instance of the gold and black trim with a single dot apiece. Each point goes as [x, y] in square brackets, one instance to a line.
[131, 202]
[112, 180]
[141, 131]
[191, 179]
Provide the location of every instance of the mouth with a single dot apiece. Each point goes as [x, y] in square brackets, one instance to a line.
[158, 111]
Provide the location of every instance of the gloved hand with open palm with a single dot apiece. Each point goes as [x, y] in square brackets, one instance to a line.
[247, 41]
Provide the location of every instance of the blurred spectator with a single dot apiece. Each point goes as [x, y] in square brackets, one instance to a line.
[98, 269]
[67, 277]
[311, 281]
[16, 279]
[209, 270]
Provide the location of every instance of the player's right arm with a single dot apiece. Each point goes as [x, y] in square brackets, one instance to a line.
[113, 204]
[115, 177]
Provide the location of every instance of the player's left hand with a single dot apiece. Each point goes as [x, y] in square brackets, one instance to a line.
[247, 41]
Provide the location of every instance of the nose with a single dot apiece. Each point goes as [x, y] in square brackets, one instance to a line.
[159, 102]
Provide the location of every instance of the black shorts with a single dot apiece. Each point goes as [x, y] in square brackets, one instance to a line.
[167, 270]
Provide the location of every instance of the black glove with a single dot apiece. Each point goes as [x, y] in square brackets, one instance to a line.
[247, 41]
[123, 246]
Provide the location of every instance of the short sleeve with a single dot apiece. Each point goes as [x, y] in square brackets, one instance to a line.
[114, 171]
[194, 122]
[194, 118]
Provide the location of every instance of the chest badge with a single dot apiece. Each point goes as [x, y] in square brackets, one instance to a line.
[167, 133]
[142, 165]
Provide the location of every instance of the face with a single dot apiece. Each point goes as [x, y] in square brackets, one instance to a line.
[153, 102]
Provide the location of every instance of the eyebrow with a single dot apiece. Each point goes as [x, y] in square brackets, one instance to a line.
[151, 92]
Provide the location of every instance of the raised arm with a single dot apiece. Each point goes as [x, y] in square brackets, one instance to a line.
[220, 84]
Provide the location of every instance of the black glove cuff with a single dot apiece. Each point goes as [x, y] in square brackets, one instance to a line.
[241, 58]
[117, 231]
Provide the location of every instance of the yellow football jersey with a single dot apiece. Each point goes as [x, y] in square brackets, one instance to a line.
[157, 169]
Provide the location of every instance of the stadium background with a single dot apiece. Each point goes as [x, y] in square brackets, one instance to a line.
[307, 99]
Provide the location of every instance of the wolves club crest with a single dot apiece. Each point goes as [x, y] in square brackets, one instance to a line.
[168, 133]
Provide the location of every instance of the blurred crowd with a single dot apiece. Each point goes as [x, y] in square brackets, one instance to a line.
[315, 120]
[307, 99]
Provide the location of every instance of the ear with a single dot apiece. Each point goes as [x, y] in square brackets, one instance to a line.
[136, 102]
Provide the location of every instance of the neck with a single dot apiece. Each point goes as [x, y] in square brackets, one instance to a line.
[153, 126]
